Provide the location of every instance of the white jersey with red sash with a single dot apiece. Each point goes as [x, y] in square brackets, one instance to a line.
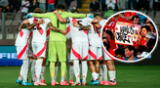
[79, 50]
[39, 37]
[21, 43]
[95, 44]
[39, 31]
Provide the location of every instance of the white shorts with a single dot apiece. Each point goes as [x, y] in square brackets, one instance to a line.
[22, 52]
[79, 51]
[106, 55]
[39, 49]
[95, 53]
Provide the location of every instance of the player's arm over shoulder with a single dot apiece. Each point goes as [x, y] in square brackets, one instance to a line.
[42, 15]
[76, 15]
[56, 29]
[25, 24]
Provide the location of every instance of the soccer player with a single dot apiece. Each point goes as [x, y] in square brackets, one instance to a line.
[103, 67]
[32, 63]
[95, 51]
[57, 44]
[21, 44]
[70, 62]
[39, 44]
[45, 59]
[79, 51]
[107, 58]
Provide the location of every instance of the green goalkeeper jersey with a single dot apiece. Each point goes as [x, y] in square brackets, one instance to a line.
[55, 36]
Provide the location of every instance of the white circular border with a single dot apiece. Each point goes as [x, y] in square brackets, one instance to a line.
[157, 36]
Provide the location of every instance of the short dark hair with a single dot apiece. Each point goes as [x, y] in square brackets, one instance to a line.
[147, 28]
[61, 6]
[119, 51]
[135, 17]
[130, 48]
[150, 23]
[38, 10]
[25, 25]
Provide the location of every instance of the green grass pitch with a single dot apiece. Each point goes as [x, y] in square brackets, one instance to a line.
[139, 76]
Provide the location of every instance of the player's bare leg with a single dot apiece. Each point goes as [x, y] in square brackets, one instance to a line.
[111, 72]
[95, 75]
[97, 65]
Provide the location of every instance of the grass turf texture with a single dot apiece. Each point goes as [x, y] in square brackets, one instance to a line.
[141, 76]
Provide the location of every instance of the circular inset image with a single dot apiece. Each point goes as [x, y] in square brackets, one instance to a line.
[129, 36]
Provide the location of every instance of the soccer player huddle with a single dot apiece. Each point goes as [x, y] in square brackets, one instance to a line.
[42, 32]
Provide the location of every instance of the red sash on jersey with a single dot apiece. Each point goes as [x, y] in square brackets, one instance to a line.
[100, 58]
[30, 35]
[22, 51]
[86, 57]
[21, 33]
[76, 54]
[48, 32]
[40, 30]
[41, 51]
[68, 29]
[25, 47]
[85, 31]
[92, 54]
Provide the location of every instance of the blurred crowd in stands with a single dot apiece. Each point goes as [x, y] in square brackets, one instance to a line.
[117, 5]
[29, 5]
[94, 5]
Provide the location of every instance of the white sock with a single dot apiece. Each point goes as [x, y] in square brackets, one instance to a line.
[24, 70]
[43, 72]
[84, 70]
[112, 75]
[97, 76]
[71, 73]
[38, 69]
[105, 71]
[33, 70]
[94, 76]
[76, 70]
